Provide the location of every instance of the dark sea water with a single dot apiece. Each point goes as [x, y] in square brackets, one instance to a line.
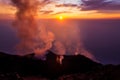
[100, 37]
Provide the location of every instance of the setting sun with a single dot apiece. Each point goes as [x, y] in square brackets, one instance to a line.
[61, 17]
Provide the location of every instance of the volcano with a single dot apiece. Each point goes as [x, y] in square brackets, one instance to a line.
[50, 68]
[73, 65]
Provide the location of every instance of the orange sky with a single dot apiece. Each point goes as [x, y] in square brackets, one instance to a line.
[7, 11]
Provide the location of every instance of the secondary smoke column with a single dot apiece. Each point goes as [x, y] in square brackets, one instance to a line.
[69, 37]
[33, 37]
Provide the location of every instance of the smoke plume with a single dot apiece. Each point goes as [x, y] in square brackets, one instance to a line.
[33, 37]
[39, 39]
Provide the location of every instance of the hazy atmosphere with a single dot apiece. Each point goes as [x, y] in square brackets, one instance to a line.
[99, 37]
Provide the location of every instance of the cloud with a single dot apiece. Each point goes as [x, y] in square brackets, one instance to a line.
[66, 8]
[67, 5]
[45, 2]
[100, 5]
[109, 11]
[61, 12]
[46, 11]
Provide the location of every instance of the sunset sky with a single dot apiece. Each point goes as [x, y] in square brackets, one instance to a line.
[69, 9]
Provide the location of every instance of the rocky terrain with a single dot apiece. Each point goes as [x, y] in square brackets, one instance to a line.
[14, 67]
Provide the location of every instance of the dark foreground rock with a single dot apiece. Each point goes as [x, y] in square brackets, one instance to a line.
[13, 67]
[108, 72]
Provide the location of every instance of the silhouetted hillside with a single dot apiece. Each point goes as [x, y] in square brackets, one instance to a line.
[72, 67]
[108, 72]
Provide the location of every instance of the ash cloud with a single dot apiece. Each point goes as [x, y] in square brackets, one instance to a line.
[33, 37]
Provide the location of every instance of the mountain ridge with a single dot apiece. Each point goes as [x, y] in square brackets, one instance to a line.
[71, 64]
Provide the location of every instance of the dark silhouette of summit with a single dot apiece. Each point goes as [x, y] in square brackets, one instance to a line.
[73, 67]
[70, 64]
[51, 68]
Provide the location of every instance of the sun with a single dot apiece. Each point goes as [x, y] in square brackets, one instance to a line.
[61, 17]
